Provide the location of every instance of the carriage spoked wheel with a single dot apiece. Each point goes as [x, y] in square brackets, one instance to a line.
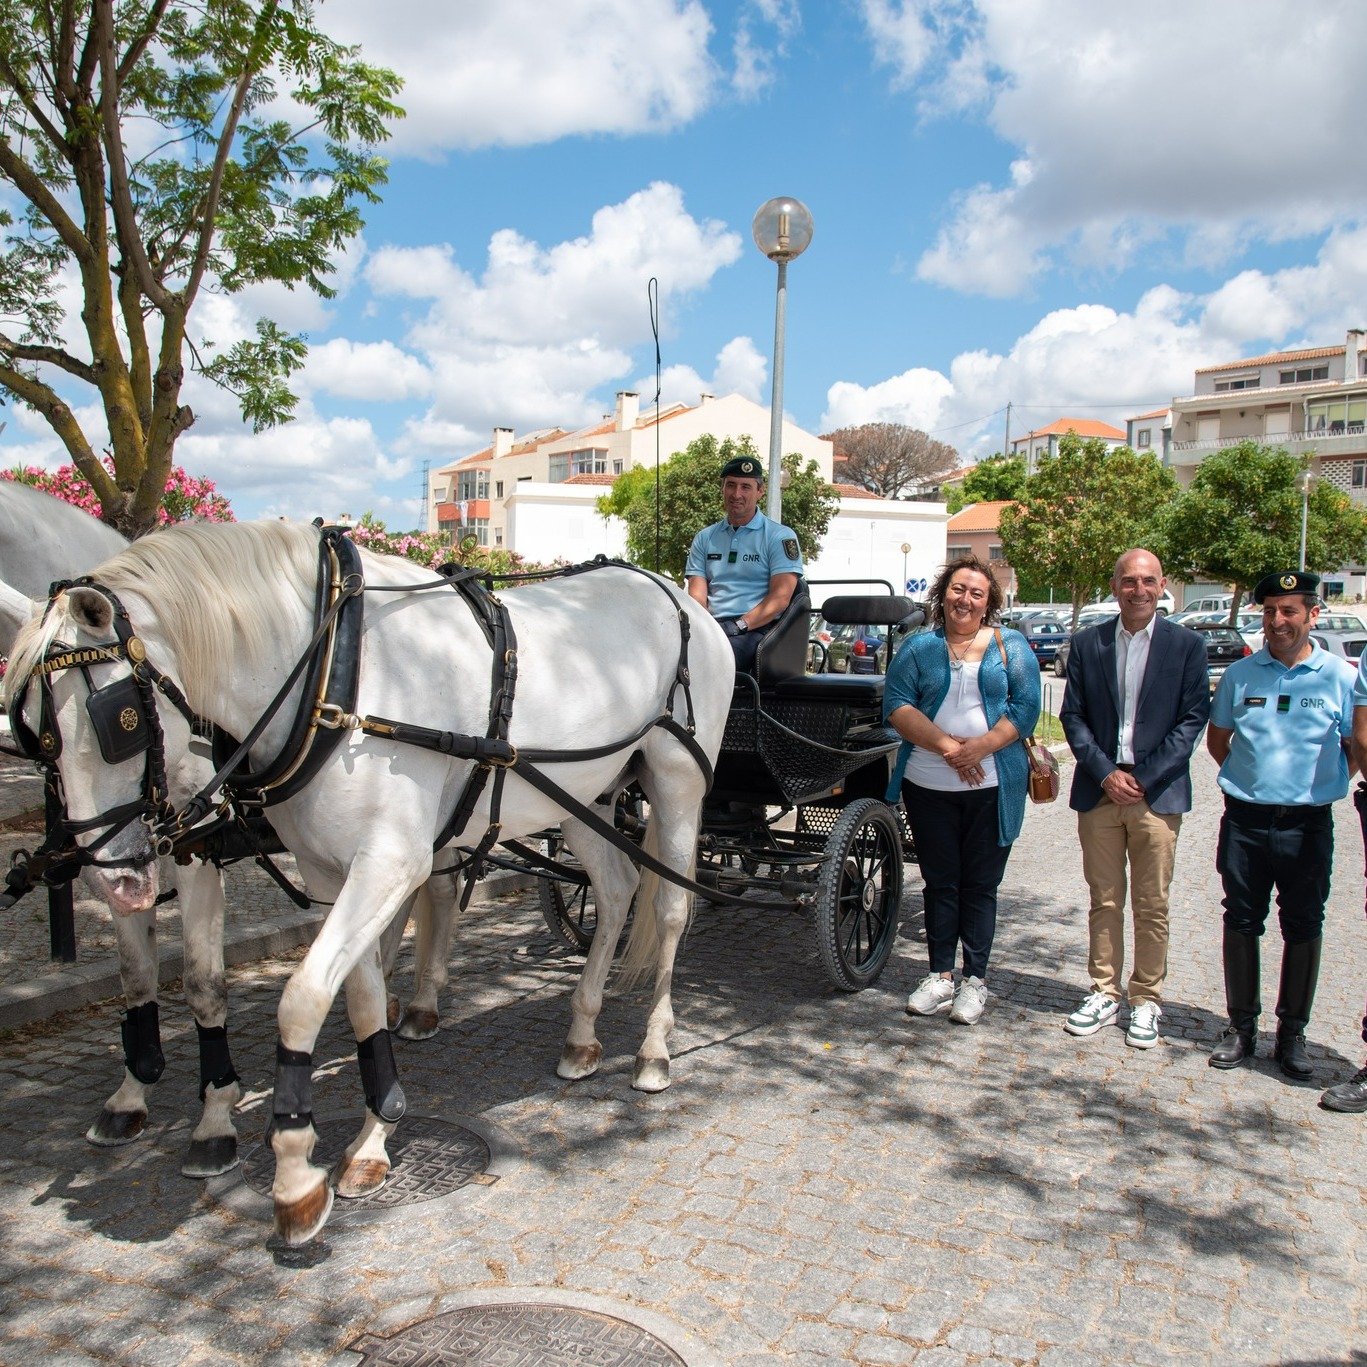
[859, 893]
[568, 908]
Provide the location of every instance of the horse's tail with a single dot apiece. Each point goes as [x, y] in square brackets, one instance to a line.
[643, 943]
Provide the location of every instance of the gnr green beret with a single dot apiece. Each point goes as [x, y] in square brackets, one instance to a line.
[1285, 581]
[743, 467]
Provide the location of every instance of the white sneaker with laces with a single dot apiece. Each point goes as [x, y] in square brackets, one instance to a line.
[934, 995]
[1143, 1031]
[1096, 1011]
[969, 1001]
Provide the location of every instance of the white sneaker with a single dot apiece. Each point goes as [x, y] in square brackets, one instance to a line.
[933, 996]
[969, 1001]
[1143, 1031]
[1096, 1011]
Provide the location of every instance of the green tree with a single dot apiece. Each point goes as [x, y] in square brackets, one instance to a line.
[1241, 519]
[690, 482]
[1082, 508]
[888, 458]
[254, 152]
[996, 478]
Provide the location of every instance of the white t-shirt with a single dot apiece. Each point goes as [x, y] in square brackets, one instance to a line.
[961, 714]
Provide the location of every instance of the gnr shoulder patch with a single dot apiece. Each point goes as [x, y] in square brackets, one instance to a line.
[790, 547]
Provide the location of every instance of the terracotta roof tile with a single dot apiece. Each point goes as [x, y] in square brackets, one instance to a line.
[978, 517]
[1084, 427]
[590, 479]
[852, 491]
[1275, 358]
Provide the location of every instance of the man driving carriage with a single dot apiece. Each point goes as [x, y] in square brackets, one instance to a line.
[745, 568]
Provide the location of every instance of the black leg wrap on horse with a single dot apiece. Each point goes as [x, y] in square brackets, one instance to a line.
[383, 1095]
[141, 1029]
[215, 1062]
[292, 1106]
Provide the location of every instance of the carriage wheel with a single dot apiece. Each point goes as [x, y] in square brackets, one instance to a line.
[568, 908]
[859, 893]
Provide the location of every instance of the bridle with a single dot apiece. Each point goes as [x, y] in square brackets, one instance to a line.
[126, 723]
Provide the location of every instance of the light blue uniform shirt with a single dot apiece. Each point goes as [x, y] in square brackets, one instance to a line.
[738, 562]
[1289, 727]
[1360, 687]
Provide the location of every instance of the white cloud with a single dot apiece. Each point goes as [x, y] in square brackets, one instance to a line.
[755, 62]
[1094, 361]
[523, 72]
[740, 369]
[365, 371]
[531, 339]
[1136, 123]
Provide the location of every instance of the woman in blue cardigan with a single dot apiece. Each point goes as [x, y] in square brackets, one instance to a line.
[961, 697]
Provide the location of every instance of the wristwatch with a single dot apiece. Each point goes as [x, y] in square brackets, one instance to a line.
[742, 626]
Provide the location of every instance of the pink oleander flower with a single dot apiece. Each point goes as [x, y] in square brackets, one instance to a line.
[186, 497]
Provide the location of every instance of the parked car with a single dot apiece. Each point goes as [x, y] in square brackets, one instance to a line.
[1347, 645]
[1044, 637]
[1224, 645]
[1061, 657]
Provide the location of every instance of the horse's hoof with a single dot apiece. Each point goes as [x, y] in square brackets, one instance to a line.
[579, 1061]
[210, 1157]
[418, 1024]
[362, 1177]
[652, 1075]
[116, 1127]
[296, 1222]
[392, 1011]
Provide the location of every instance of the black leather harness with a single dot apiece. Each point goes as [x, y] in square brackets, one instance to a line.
[330, 669]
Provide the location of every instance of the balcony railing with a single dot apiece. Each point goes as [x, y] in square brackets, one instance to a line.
[1326, 443]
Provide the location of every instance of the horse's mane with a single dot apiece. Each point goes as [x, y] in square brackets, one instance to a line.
[216, 590]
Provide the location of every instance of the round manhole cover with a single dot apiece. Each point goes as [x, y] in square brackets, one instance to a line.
[518, 1335]
[431, 1158]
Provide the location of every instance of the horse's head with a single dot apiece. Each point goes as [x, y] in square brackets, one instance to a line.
[80, 695]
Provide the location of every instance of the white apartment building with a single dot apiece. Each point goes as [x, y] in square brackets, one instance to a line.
[475, 492]
[1311, 402]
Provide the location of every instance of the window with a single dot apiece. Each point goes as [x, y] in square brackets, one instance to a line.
[1331, 588]
[588, 462]
[957, 552]
[472, 484]
[1360, 474]
[1336, 416]
[498, 536]
[498, 489]
[1305, 375]
[1243, 382]
[1144, 438]
[617, 467]
[559, 468]
[480, 527]
[995, 553]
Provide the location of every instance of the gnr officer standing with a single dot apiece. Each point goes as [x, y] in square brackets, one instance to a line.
[1280, 728]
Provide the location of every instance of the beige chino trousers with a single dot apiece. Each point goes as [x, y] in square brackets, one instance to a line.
[1113, 838]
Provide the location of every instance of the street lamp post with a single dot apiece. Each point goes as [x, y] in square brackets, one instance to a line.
[782, 230]
[1305, 482]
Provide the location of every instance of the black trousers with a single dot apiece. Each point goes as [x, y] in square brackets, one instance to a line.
[1264, 847]
[745, 645]
[962, 864]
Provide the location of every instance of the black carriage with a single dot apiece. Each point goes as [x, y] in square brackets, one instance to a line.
[796, 810]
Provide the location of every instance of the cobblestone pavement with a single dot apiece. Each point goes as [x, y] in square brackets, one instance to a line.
[826, 1181]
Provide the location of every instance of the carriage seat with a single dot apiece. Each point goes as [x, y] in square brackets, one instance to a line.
[782, 652]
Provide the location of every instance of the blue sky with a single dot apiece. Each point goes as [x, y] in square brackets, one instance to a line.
[1064, 204]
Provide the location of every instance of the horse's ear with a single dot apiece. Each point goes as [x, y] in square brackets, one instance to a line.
[90, 608]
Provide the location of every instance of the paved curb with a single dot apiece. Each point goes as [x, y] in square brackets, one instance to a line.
[81, 984]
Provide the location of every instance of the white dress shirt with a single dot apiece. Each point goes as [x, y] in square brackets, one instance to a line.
[1131, 658]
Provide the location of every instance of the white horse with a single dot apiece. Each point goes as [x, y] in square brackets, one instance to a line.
[43, 539]
[226, 611]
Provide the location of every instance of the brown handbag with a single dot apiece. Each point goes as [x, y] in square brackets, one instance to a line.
[1043, 765]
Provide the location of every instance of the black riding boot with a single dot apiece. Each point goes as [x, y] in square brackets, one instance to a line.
[1300, 973]
[1240, 1039]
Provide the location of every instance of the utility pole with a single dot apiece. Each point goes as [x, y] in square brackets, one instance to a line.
[1006, 445]
[423, 501]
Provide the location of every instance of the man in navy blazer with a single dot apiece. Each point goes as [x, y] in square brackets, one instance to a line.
[1138, 695]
